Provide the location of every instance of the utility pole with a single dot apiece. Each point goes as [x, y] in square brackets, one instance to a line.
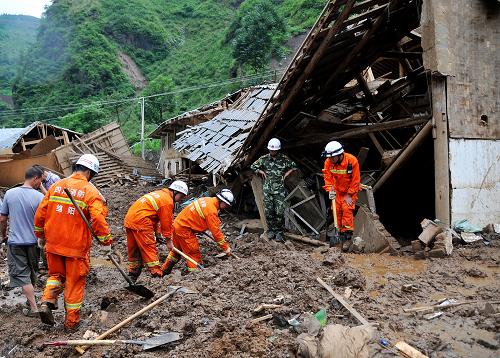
[142, 128]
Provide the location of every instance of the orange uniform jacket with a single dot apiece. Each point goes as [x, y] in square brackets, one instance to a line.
[151, 209]
[57, 220]
[337, 175]
[200, 215]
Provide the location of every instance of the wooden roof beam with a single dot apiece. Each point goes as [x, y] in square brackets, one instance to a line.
[292, 94]
[355, 51]
[359, 131]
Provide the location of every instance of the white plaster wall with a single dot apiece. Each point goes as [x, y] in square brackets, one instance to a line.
[475, 180]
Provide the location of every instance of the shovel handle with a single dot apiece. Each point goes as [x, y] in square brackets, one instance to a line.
[79, 342]
[117, 265]
[334, 211]
[81, 349]
[188, 258]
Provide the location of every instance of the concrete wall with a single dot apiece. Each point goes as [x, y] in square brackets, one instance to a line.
[461, 42]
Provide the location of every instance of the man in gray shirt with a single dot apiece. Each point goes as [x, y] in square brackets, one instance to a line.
[18, 208]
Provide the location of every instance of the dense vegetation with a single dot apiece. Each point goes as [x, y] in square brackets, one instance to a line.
[186, 48]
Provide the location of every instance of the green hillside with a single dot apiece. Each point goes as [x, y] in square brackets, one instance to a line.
[17, 33]
[110, 50]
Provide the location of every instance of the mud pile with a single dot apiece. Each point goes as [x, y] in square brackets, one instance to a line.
[215, 321]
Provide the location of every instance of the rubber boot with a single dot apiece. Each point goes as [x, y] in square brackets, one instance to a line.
[167, 268]
[46, 315]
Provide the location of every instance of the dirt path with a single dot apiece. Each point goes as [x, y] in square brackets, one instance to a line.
[213, 322]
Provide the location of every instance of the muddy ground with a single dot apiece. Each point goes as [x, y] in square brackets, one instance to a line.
[214, 321]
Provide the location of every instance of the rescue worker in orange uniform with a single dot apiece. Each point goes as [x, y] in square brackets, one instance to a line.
[149, 211]
[67, 239]
[200, 215]
[341, 173]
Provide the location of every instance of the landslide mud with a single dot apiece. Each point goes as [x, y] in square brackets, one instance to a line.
[215, 321]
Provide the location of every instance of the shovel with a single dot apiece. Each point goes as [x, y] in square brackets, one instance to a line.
[334, 234]
[81, 349]
[137, 289]
[146, 345]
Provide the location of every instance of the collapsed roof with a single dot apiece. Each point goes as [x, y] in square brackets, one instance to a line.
[214, 143]
[15, 140]
[357, 74]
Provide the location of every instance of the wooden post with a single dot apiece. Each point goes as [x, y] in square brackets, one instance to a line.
[258, 194]
[441, 151]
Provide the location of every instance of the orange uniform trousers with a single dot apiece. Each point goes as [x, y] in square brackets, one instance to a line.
[345, 213]
[141, 247]
[68, 274]
[185, 240]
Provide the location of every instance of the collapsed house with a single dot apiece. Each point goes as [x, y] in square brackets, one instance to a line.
[176, 159]
[362, 77]
[57, 148]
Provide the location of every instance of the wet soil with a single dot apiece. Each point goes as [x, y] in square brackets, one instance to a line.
[215, 321]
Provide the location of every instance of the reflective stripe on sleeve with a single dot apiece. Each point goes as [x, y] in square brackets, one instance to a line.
[198, 209]
[38, 229]
[103, 238]
[340, 171]
[152, 201]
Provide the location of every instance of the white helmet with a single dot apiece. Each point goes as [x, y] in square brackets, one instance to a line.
[89, 161]
[179, 186]
[226, 196]
[333, 148]
[274, 144]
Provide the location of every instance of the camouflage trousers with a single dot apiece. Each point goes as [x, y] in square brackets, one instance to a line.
[274, 205]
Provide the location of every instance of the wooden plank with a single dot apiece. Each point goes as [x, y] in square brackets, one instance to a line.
[258, 194]
[360, 131]
[340, 69]
[403, 155]
[408, 350]
[304, 239]
[343, 302]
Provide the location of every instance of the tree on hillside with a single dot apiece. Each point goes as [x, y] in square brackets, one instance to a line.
[157, 109]
[259, 33]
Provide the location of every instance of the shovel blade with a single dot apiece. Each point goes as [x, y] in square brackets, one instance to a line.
[182, 289]
[141, 291]
[160, 340]
[334, 237]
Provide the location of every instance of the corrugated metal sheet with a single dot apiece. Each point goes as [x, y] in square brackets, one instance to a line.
[9, 136]
[214, 143]
[475, 180]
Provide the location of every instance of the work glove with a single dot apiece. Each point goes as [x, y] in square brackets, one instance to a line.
[41, 242]
[332, 195]
[228, 251]
[170, 244]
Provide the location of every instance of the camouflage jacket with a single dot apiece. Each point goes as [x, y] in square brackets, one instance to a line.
[274, 168]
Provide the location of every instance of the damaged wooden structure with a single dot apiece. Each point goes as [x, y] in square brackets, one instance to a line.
[21, 148]
[173, 161]
[58, 148]
[357, 78]
[117, 164]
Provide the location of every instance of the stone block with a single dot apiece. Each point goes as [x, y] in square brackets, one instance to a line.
[430, 230]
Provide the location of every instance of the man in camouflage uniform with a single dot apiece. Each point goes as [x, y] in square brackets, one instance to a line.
[274, 168]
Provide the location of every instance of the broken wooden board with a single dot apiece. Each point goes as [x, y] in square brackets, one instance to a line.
[408, 350]
[343, 302]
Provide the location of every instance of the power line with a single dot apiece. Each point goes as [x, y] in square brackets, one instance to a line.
[68, 107]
